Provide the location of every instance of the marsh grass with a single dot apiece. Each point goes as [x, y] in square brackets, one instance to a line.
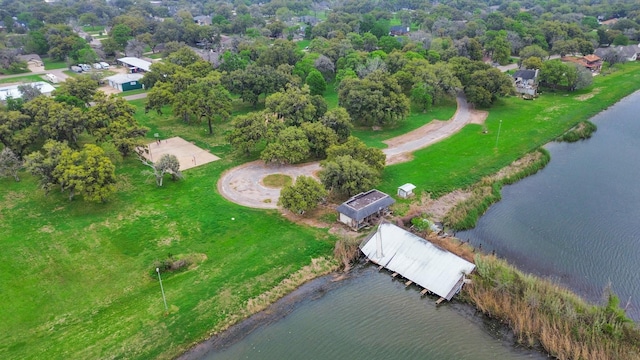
[346, 251]
[544, 314]
[582, 131]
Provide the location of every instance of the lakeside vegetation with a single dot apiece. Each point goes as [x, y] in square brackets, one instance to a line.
[543, 314]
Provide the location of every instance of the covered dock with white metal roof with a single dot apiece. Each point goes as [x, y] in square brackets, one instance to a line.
[433, 268]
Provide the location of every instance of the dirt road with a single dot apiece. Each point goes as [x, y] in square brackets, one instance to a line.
[243, 184]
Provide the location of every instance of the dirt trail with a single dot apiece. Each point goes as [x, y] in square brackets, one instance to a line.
[243, 184]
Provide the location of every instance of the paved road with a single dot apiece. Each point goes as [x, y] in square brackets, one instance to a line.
[243, 184]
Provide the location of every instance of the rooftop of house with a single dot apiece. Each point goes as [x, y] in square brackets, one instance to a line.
[526, 74]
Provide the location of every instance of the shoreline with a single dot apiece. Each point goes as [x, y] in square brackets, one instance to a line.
[316, 289]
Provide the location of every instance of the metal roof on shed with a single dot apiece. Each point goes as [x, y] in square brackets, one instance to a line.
[364, 204]
[136, 62]
[407, 187]
[13, 92]
[416, 259]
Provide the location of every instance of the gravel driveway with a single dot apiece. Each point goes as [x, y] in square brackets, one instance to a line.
[243, 184]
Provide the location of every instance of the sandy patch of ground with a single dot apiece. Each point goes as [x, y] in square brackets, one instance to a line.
[478, 116]
[187, 153]
[415, 134]
[588, 96]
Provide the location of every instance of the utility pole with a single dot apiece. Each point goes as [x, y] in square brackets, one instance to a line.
[162, 290]
[498, 137]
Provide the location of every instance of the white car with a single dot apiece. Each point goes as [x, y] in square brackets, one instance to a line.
[97, 66]
[85, 67]
[104, 65]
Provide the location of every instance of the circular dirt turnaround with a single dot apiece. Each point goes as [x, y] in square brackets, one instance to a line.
[244, 184]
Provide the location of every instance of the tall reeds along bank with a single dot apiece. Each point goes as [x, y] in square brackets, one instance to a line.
[582, 131]
[465, 215]
[544, 314]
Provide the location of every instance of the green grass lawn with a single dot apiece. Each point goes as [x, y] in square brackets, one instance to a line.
[302, 44]
[78, 279]
[154, 56]
[93, 29]
[412, 122]
[22, 79]
[52, 65]
[466, 157]
[132, 92]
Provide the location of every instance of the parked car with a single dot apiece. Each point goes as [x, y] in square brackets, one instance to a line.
[51, 78]
[97, 66]
[85, 67]
[76, 69]
[104, 65]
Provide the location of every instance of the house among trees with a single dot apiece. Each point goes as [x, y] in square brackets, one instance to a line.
[526, 82]
[398, 30]
[32, 59]
[202, 20]
[591, 62]
[628, 53]
[125, 82]
[361, 209]
[311, 20]
[135, 64]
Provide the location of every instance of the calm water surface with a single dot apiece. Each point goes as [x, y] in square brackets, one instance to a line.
[578, 220]
[371, 316]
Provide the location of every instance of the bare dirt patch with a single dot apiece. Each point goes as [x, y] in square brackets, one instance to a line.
[478, 116]
[188, 154]
[415, 134]
[588, 96]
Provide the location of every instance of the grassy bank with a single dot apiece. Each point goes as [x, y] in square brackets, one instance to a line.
[467, 157]
[582, 131]
[465, 214]
[543, 314]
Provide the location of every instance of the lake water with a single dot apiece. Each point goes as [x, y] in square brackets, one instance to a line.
[576, 222]
[371, 316]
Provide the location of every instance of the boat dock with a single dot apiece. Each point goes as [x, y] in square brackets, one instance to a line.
[419, 261]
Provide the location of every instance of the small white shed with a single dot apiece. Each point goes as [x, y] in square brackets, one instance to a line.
[406, 190]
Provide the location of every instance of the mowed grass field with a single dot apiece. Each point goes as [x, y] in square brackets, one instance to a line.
[77, 279]
[466, 157]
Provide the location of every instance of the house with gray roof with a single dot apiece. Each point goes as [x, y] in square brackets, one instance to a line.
[526, 81]
[628, 53]
[361, 209]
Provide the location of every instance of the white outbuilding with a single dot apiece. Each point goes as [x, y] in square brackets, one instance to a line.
[406, 190]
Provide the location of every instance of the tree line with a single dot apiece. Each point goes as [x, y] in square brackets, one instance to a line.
[66, 143]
